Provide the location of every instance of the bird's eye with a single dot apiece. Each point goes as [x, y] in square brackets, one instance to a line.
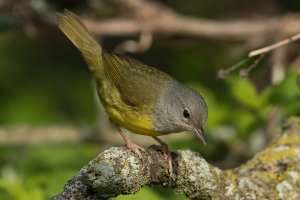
[186, 114]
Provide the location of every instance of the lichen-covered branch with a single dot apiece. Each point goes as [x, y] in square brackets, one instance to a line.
[273, 173]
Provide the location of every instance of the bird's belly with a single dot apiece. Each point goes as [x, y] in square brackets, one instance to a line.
[136, 120]
[133, 121]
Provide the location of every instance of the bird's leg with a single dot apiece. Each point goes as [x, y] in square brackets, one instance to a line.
[166, 153]
[130, 145]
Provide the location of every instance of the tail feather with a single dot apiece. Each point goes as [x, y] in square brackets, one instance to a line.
[74, 29]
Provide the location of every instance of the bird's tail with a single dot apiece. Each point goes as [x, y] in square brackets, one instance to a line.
[74, 29]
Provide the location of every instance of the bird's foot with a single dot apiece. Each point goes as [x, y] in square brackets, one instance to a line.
[166, 152]
[135, 148]
[130, 145]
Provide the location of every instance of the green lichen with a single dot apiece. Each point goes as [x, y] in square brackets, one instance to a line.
[115, 172]
[271, 174]
[196, 173]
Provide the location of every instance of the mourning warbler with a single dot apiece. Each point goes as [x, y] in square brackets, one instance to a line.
[138, 97]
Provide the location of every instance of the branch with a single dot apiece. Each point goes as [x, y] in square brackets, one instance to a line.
[274, 46]
[158, 19]
[162, 20]
[174, 24]
[28, 135]
[271, 174]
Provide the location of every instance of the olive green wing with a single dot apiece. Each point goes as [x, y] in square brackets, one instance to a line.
[138, 84]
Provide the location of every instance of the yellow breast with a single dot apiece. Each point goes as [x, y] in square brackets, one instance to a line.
[136, 120]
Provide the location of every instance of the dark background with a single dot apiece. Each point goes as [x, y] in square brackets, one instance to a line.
[51, 121]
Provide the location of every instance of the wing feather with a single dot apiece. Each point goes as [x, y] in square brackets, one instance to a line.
[138, 84]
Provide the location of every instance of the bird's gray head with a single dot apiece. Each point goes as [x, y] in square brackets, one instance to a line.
[180, 108]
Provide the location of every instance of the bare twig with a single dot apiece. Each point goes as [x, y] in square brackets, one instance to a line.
[132, 46]
[26, 135]
[274, 46]
[245, 72]
[261, 52]
[161, 20]
[197, 27]
[223, 73]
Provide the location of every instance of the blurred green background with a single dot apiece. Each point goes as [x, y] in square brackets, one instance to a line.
[45, 83]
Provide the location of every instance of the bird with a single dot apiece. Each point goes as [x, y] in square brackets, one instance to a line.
[137, 97]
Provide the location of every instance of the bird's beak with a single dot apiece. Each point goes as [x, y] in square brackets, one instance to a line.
[200, 134]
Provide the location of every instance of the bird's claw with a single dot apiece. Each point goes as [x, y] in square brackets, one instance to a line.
[135, 148]
[166, 152]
